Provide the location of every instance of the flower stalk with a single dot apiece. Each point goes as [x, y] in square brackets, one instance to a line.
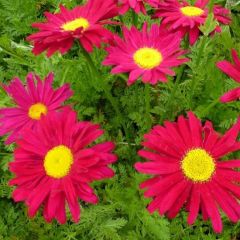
[107, 91]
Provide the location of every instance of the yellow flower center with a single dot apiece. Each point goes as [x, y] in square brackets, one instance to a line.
[198, 165]
[191, 11]
[36, 110]
[58, 161]
[75, 24]
[147, 58]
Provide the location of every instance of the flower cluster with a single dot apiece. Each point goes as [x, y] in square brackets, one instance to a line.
[55, 159]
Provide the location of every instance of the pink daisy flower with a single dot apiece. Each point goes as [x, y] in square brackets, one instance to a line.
[186, 18]
[84, 23]
[222, 15]
[147, 54]
[185, 159]
[36, 99]
[54, 165]
[233, 71]
[136, 5]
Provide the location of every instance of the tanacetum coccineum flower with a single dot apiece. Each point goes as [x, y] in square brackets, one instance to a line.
[84, 23]
[147, 54]
[33, 100]
[222, 15]
[55, 164]
[186, 18]
[233, 71]
[136, 5]
[185, 159]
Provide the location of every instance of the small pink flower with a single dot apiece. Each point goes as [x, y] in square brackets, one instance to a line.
[54, 165]
[136, 5]
[233, 71]
[34, 100]
[222, 15]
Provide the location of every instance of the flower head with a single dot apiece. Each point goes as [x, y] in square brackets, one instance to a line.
[136, 5]
[186, 18]
[35, 99]
[147, 54]
[222, 15]
[232, 70]
[185, 159]
[84, 23]
[55, 164]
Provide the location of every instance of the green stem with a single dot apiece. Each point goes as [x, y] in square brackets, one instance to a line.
[121, 18]
[91, 65]
[126, 143]
[107, 91]
[209, 107]
[194, 83]
[122, 76]
[65, 75]
[89, 60]
[134, 18]
[147, 105]
[174, 89]
[211, 5]
[5, 153]
[23, 62]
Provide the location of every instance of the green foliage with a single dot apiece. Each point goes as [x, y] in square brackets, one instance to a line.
[121, 213]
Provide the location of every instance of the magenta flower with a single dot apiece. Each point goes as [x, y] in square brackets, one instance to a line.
[187, 18]
[233, 71]
[34, 100]
[149, 54]
[136, 5]
[222, 15]
[84, 23]
[54, 165]
[185, 160]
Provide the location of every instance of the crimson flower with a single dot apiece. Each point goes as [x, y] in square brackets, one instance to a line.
[54, 165]
[185, 159]
[84, 23]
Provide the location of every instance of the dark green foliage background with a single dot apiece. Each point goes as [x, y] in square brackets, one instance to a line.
[121, 212]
